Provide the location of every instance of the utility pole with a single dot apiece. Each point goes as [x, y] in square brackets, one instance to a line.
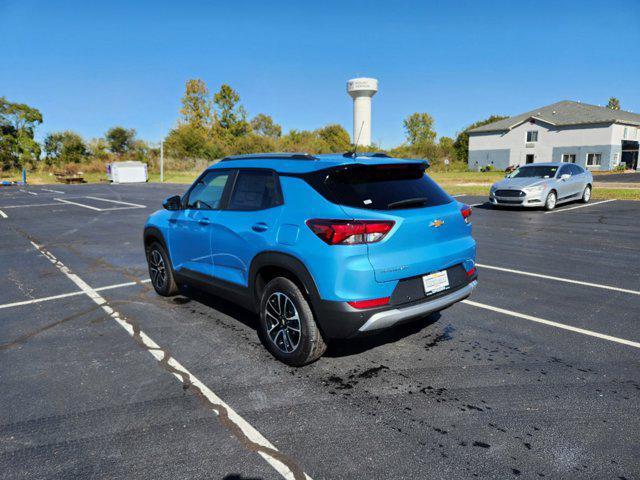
[162, 161]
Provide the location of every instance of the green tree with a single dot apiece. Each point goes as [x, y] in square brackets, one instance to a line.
[231, 116]
[186, 141]
[196, 105]
[264, 125]
[614, 103]
[335, 137]
[419, 128]
[64, 147]
[18, 123]
[446, 148]
[461, 145]
[121, 140]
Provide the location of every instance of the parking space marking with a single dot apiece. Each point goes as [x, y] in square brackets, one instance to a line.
[531, 318]
[581, 206]
[30, 193]
[459, 195]
[78, 204]
[31, 205]
[559, 279]
[246, 434]
[52, 191]
[71, 294]
[3, 215]
[117, 201]
[126, 207]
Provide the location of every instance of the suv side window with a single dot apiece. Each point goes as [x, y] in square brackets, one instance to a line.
[207, 192]
[255, 190]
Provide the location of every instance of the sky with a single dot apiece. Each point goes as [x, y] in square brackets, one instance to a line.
[90, 65]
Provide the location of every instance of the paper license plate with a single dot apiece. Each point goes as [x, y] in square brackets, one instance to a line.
[435, 282]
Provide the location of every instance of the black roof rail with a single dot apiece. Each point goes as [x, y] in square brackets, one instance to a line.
[366, 154]
[270, 156]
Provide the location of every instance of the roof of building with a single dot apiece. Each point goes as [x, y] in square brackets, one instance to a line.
[303, 162]
[564, 113]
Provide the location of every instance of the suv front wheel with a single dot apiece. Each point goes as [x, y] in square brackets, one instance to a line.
[160, 271]
[287, 324]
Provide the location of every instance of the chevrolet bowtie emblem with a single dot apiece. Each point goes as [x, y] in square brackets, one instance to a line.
[437, 223]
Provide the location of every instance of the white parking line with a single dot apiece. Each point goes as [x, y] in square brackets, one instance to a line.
[581, 206]
[30, 193]
[52, 191]
[32, 205]
[3, 215]
[531, 318]
[460, 195]
[78, 204]
[559, 279]
[251, 438]
[71, 294]
[128, 205]
[117, 201]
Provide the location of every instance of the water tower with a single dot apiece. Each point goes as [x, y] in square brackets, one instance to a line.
[361, 90]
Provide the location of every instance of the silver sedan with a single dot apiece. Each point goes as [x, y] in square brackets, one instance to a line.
[543, 185]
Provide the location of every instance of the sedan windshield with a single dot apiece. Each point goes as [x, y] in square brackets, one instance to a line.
[534, 172]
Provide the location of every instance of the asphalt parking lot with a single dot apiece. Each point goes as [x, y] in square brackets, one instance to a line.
[536, 375]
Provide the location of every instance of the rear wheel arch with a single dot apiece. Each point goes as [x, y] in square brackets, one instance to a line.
[268, 265]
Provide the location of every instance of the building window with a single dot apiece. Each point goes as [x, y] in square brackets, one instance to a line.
[569, 157]
[594, 159]
[615, 159]
[626, 131]
[532, 136]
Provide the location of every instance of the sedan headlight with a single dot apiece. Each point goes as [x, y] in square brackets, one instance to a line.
[534, 190]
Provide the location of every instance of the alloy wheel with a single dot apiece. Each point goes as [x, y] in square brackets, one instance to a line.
[551, 201]
[157, 269]
[283, 322]
[586, 196]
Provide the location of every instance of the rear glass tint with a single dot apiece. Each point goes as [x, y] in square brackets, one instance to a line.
[379, 187]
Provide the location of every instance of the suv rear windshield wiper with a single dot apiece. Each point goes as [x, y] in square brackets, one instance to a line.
[408, 201]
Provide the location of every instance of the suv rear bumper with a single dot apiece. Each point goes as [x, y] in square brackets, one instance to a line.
[340, 320]
[388, 318]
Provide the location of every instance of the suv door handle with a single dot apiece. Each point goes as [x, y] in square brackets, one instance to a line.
[204, 221]
[260, 227]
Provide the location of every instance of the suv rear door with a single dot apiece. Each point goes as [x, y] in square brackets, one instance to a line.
[247, 225]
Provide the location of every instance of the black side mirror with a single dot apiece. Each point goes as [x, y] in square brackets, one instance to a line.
[172, 203]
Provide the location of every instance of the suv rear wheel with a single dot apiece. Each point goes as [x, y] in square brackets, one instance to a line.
[286, 320]
[160, 271]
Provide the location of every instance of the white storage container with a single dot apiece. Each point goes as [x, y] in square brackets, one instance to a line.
[127, 172]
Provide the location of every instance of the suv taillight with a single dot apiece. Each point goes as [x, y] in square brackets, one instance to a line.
[350, 232]
[465, 210]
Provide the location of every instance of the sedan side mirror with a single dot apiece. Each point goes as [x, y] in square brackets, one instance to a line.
[172, 203]
[565, 176]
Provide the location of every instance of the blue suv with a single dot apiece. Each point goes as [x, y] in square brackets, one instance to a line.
[321, 247]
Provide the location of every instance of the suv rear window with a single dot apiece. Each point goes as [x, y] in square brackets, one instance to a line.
[379, 187]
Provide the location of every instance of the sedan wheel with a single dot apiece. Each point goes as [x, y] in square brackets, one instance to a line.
[586, 195]
[551, 202]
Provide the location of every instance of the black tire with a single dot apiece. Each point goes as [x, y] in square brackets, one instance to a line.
[278, 323]
[586, 194]
[161, 271]
[551, 201]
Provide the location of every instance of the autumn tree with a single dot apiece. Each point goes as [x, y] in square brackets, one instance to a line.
[419, 128]
[614, 103]
[196, 108]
